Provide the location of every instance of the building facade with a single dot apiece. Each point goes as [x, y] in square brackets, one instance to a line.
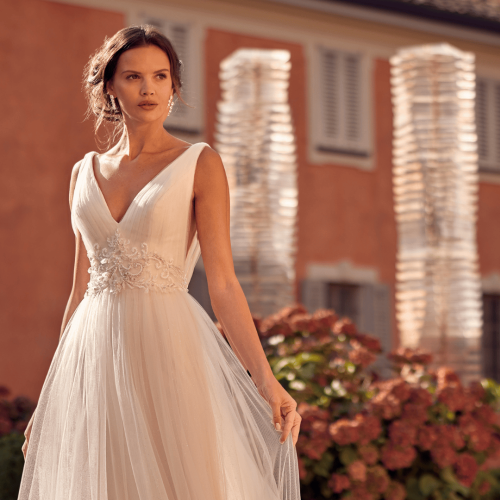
[340, 98]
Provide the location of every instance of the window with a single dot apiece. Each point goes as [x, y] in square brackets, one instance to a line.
[487, 108]
[367, 304]
[491, 336]
[186, 41]
[339, 93]
[343, 298]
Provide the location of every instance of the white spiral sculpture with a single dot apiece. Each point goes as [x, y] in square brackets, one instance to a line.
[438, 294]
[255, 139]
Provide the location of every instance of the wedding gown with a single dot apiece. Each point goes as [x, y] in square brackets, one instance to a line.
[144, 399]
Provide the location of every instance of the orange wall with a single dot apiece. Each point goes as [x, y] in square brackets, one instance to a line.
[488, 230]
[344, 213]
[45, 46]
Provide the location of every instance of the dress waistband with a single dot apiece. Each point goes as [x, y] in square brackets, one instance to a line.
[116, 267]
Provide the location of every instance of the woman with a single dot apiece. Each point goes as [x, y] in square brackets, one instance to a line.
[144, 399]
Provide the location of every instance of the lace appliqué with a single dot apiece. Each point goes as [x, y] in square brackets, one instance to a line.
[117, 267]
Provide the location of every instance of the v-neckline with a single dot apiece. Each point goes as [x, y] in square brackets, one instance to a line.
[94, 179]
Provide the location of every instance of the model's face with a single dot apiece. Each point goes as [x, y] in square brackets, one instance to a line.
[142, 73]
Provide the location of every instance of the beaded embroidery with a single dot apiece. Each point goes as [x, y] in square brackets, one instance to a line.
[116, 267]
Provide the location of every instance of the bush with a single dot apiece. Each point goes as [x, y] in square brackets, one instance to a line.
[418, 435]
[11, 465]
[14, 417]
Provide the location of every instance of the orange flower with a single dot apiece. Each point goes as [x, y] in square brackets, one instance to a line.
[339, 482]
[446, 376]
[466, 468]
[344, 431]
[427, 435]
[369, 453]
[484, 488]
[415, 413]
[326, 317]
[395, 491]
[312, 448]
[359, 492]
[386, 405]
[346, 326]
[402, 433]
[443, 455]
[377, 479]
[395, 457]
[362, 357]
[369, 341]
[357, 471]
[369, 428]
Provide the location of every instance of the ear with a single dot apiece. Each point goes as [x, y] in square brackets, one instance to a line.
[109, 87]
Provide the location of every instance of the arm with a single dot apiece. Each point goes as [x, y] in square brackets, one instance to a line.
[211, 193]
[80, 280]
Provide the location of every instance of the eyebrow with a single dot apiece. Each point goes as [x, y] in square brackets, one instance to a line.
[133, 71]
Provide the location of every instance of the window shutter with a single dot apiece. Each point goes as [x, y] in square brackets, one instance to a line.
[314, 294]
[487, 113]
[341, 102]
[182, 37]
[481, 119]
[496, 126]
[491, 336]
[375, 319]
[352, 100]
[331, 95]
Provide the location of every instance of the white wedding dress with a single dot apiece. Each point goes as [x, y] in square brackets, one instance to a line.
[144, 399]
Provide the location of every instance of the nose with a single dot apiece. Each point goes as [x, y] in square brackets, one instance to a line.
[146, 88]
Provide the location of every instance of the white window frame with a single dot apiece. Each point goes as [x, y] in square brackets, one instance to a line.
[192, 121]
[323, 149]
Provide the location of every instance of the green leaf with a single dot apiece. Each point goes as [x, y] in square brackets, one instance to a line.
[308, 370]
[449, 477]
[348, 455]
[412, 489]
[428, 483]
[323, 467]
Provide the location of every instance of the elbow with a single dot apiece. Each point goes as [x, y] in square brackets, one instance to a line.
[221, 290]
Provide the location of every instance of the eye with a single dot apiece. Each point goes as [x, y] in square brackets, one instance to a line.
[163, 74]
[130, 76]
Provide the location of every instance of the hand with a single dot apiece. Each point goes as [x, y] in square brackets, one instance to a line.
[27, 434]
[284, 408]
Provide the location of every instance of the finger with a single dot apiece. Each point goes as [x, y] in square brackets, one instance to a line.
[275, 406]
[296, 428]
[289, 420]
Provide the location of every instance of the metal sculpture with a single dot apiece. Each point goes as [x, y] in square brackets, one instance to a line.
[256, 141]
[438, 291]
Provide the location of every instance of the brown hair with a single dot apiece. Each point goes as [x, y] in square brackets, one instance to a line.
[102, 66]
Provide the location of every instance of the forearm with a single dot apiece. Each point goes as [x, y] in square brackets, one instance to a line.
[231, 308]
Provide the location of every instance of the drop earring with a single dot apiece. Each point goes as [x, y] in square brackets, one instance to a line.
[113, 105]
[170, 104]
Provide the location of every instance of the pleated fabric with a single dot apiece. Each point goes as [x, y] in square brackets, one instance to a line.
[144, 399]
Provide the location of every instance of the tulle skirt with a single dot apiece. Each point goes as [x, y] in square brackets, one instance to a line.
[145, 400]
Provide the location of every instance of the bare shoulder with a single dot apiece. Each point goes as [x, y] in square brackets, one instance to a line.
[210, 171]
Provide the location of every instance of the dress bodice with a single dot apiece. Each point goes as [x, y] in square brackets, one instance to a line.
[148, 248]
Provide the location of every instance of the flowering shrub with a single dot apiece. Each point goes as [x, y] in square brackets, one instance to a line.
[14, 417]
[419, 435]
[14, 413]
